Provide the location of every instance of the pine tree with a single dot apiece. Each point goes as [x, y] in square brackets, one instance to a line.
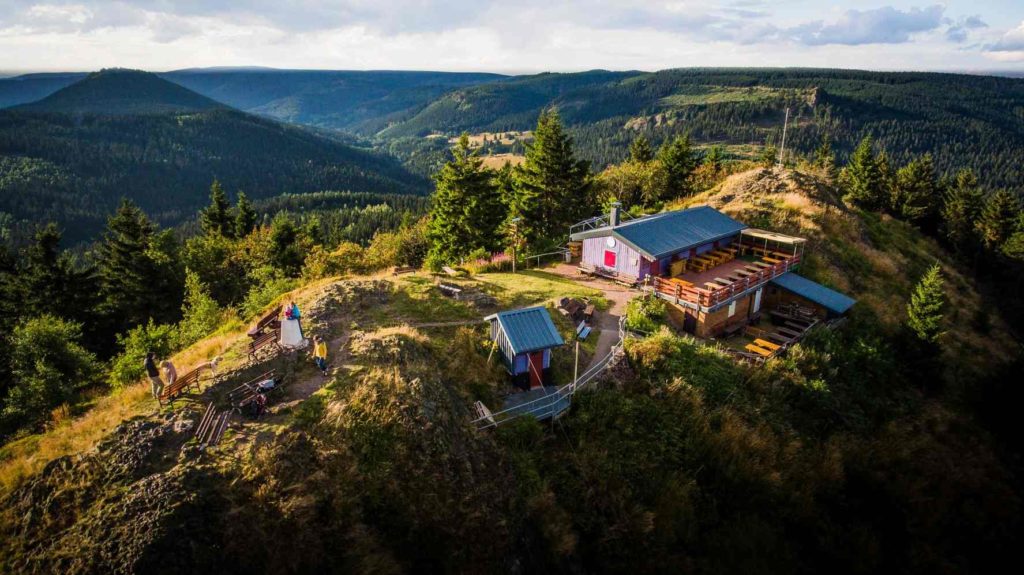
[216, 218]
[138, 270]
[862, 177]
[925, 310]
[998, 219]
[245, 216]
[552, 187]
[467, 207]
[285, 252]
[915, 193]
[1013, 247]
[640, 150]
[769, 156]
[825, 158]
[679, 160]
[960, 211]
[715, 159]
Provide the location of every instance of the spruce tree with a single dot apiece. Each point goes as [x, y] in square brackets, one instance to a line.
[467, 207]
[715, 159]
[960, 211]
[245, 216]
[679, 160]
[825, 158]
[998, 219]
[862, 177]
[640, 150]
[925, 310]
[138, 270]
[216, 218]
[915, 194]
[552, 187]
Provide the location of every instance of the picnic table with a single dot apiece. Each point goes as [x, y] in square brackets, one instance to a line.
[758, 350]
[767, 344]
[723, 282]
[711, 286]
[771, 260]
[762, 265]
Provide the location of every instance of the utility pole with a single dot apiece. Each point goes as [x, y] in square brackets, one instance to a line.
[515, 240]
[782, 149]
[576, 367]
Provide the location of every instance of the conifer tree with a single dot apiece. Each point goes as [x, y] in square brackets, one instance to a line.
[552, 187]
[285, 252]
[467, 207]
[679, 160]
[915, 193]
[925, 310]
[862, 177]
[138, 270]
[216, 218]
[825, 158]
[640, 150]
[715, 159]
[49, 281]
[245, 216]
[998, 219]
[960, 211]
[769, 156]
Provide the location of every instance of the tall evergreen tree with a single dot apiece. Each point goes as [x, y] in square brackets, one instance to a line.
[715, 159]
[138, 270]
[862, 177]
[825, 158]
[998, 219]
[961, 208]
[679, 160]
[285, 252]
[216, 218]
[467, 207]
[914, 195]
[640, 150]
[925, 310]
[245, 216]
[552, 189]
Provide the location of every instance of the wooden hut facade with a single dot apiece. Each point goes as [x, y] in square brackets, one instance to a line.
[524, 338]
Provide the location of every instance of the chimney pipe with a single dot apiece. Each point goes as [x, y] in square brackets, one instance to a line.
[613, 215]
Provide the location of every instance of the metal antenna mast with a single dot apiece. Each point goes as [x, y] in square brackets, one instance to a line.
[782, 149]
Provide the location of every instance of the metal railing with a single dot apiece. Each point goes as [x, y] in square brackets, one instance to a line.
[596, 222]
[559, 401]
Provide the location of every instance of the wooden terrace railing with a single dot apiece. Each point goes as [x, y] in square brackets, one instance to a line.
[707, 298]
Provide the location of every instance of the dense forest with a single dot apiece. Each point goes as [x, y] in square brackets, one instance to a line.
[73, 168]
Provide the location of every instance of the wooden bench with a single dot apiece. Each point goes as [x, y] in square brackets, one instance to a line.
[243, 395]
[583, 330]
[179, 386]
[588, 312]
[711, 286]
[270, 320]
[762, 265]
[778, 338]
[450, 271]
[211, 427]
[731, 330]
[758, 350]
[263, 341]
[767, 344]
[723, 282]
[399, 270]
[772, 261]
[450, 290]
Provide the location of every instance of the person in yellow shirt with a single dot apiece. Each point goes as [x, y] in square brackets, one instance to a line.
[320, 354]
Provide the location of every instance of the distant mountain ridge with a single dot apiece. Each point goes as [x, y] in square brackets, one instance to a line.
[121, 91]
[70, 157]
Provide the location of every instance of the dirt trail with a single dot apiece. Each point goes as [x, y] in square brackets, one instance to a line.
[607, 321]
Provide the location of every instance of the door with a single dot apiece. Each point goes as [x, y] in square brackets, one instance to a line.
[536, 364]
[609, 259]
[689, 322]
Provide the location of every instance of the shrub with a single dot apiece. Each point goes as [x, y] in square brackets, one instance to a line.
[48, 366]
[263, 294]
[127, 367]
[646, 314]
[201, 315]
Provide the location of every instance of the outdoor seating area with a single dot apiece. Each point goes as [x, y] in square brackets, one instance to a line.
[253, 391]
[179, 386]
[783, 326]
[722, 274]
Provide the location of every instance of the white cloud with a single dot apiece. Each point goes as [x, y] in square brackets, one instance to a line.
[885, 25]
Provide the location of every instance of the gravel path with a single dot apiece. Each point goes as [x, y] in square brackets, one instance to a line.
[606, 321]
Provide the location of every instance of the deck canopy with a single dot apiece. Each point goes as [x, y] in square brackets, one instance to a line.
[829, 299]
[527, 330]
[772, 236]
[667, 233]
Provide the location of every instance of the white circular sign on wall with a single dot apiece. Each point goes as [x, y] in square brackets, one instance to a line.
[610, 242]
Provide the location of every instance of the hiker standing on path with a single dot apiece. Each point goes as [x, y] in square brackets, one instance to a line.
[154, 375]
[170, 372]
[320, 354]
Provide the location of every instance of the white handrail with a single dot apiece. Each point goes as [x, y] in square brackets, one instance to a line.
[565, 392]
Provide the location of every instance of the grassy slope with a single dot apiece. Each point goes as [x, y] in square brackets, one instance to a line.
[414, 300]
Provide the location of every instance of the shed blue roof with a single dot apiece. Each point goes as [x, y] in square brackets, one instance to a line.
[666, 233]
[529, 329]
[830, 299]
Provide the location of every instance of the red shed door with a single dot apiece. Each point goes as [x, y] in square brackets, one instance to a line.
[536, 369]
[609, 259]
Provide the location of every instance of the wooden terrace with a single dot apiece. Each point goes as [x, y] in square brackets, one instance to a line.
[715, 278]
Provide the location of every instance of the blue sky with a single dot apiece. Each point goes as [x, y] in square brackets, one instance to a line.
[518, 36]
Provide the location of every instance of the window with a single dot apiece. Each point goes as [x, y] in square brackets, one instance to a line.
[609, 259]
[732, 309]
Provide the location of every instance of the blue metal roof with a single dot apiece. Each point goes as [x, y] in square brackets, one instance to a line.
[669, 232]
[830, 299]
[529, 329]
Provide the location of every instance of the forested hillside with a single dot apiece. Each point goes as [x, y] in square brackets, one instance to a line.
[962, 120]
[73, 168]
[121, 92]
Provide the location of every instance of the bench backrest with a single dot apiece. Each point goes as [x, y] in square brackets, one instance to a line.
[262, 340]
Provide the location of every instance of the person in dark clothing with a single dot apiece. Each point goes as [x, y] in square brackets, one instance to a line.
[154, 375]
